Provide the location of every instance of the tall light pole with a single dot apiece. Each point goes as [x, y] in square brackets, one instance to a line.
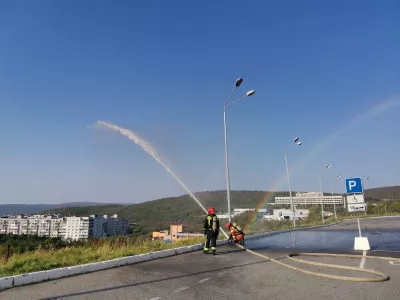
[295, 141]
[334, 204]
[322, 197]
[366, 206]
[249, 93]
[344, 201]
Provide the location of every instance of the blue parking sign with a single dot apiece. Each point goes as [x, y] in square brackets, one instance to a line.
[354, 185]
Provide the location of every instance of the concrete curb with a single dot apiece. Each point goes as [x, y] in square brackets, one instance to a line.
[379, 217]
[41, 276]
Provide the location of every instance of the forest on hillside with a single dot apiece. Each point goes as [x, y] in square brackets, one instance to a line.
[158, 214]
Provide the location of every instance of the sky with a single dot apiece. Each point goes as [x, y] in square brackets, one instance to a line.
[326, 72]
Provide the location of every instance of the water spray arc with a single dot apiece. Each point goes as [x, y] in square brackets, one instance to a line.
[149, 149]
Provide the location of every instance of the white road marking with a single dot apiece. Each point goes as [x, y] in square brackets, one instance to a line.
[156, 298]
[385, 251]
[221, 273]
[395, 263]
[204, 280]
[362, 263]
[181, 289]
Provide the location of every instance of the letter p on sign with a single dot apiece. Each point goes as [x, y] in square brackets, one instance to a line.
[354, 185]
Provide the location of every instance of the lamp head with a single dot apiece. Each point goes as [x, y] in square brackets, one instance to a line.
[238, 82]
[250, 93]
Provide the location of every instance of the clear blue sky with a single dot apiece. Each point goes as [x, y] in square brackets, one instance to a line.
[328, 72]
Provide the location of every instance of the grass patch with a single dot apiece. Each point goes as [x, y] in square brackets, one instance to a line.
[40, 260]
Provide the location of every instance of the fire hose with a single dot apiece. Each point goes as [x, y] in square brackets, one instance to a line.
[381, 276]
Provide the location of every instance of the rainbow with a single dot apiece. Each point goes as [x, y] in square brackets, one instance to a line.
[374, 111]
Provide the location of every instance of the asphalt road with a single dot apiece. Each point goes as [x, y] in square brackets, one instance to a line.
[232, 274]
[383, 235]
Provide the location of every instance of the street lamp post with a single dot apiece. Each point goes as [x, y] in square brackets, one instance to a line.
[366, 207]
[296, 141]
[249, 93]
[334, 204]
[322, 199]
[344, 201]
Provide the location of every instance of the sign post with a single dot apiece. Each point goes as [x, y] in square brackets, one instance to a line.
[359, 227]
[356, 203]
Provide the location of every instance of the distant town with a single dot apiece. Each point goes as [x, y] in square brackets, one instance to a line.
[72, 228]
[299, 199]
[68, 228]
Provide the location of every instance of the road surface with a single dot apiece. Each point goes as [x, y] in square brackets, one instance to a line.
[383, 235]
[236, 274]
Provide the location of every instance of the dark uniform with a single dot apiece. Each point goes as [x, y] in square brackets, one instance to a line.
[211, 231]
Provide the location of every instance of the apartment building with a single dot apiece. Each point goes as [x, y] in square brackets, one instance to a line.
[312, 198]
[41, 225]
[99, 225]
[116, 226]
[77, 228]
[68, 228]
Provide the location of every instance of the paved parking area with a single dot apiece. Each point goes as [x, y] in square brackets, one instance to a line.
[232, 274]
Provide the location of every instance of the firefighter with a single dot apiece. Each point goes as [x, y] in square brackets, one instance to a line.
[211, 231]
[237, 234]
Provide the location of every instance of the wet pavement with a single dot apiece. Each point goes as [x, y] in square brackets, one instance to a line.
[383, 235]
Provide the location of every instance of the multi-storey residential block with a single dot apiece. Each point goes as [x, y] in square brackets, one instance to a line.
[41, 225]
[69, 228]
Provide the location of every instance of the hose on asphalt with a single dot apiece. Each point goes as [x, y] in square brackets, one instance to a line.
[382, 276]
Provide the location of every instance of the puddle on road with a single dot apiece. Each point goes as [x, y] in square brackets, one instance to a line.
[325, 241]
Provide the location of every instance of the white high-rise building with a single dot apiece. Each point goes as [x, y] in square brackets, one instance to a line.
[77, 228]
[314, 198]
[41, 225]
